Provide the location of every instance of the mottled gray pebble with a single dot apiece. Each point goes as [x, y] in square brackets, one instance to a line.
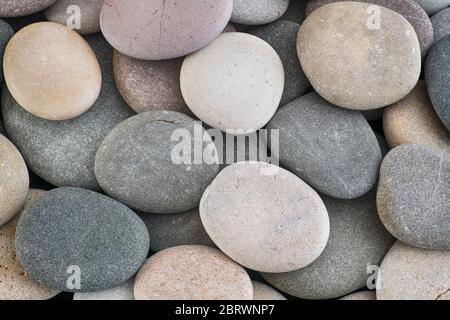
[19, 8]
[123, 292]
[254, 12]
[441, 24]
[432, 6]
[6, 32]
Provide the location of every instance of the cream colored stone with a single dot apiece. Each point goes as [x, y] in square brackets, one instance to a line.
[262, 291]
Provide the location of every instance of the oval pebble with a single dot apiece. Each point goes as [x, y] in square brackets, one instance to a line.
[232, 89]
[332, 149]
[51, 71]
[254, 12]
[262, 291]
[70, 230]
[279, 223]
[19, 8]
[361, 295]
[409, 273]
[192, 273]
[123, 292]
[353, 68]
[414, 194]
[6, 33]
[432, 6]
[441, 24]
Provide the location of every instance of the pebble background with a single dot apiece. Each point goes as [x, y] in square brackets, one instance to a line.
[89, 122]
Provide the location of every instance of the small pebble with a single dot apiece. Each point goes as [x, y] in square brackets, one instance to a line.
[254, 12]
[361, 295]
[441, 24]
[123, 292]
[262, 291]
[6, 33]
[19, 8]
[432, 6]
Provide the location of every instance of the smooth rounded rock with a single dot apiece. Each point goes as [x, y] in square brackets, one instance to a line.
[121, 293]
[192, 273]
[51, 71]
[361, 295]
[332, 149]
[409, 273]
[254, 12]
[353, 66]
[19, 8]
[279, 223]
[63, 152]
[432, 6]
[233, 89]
[6, 32]
[262, 291]
[414, 194]
[163, 29]
[70, 231]
[441, 24]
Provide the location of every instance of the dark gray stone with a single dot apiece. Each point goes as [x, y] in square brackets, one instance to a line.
[432, 6]
[6, 32]
[295, 11]
[441, 24]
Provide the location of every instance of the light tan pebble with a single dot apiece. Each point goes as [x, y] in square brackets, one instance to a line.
[262, 291]
[361, 295]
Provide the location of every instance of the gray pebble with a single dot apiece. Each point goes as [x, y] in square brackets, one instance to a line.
[441, 24]
[432, 6]
[6, 32]
[255, 12]
[121, 293]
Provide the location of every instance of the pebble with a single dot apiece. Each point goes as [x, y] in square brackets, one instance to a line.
[255, 12]
[282, 36]
[441, 24]
[414, 194]
[345, 70]
[279, 223]
[432, 6]
[409, 273]
[357, 240]
[63, 152]
[332, 149]
[63, 12]
[163, 29]
[73, 231]
[126, 160]
[123, 292]
[40, 59]
[232, 89]
[262, 291]
[19, 8]
[192, 273]
[6, 33]
[361, 295]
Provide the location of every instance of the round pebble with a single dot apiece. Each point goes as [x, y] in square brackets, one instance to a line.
[123, 292]
[279, 223]
[6, 32]
[51, 71]
[254, 12]
[432, 6]
[355, 68]
[63, 11]
[414, 194]
[362, 295]
[163, 29]
[311, 129]
[232, 89]
[441, 24]
[18, 8]
[71, 232]
[63, 152]
[126, 161]
[409, 273]
[262, 291]
[192, 273]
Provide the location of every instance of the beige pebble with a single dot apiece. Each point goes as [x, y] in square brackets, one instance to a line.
[262, 291]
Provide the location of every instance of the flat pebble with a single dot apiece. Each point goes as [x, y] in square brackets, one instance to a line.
[63, 152]
[279, 223]
[414, 194]
[39, 61]
[262, 291]
[441, 24]
[254, 12]
[70, 231]
[332, 149]
[230, 88]
[19, 8]
[409, 273]
[361, 295]
[432, 6]
[6, 32]
[354, 68]
[121, 293]
[192, 273]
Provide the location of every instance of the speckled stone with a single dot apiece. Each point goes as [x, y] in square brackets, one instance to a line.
[126, 161]
[339, 53]
[14, 180]
[63, 152]
[78, 227]
[282, 36]
[361, 295]
[89, 11]
[149, 85]
[414, 194]
[254, 12]
[262, 291]
[123, 292]
[279, 223]
[233, 89]
[332, 149]
[357, 239]
[171, 230]
[163, 29]
[441, 24]
[432, 6]
[409, 273]
[14, 282]
[6, 32]
[18, 8]
[295, 11]
[39, 61]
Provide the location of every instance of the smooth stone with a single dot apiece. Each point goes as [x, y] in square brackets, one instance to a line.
[282, 36]
[409, 273]
[19, 8]
[333, 149]
[163, 29]
[414, 194]
[255, 12]
[70, 227]
[192, 273]
[135, 162]
[362, 295]
[262, 291]
[441, 24]
[432, 6]
[6, 33]
[278, 222]
[232, 89]
[121, 293]
[413, 120]
[233, 151]
[149, 85]
[171, 230]
[14, 282]
[52, 71]
[63, 152]
[14, 180]
[89, 10]
[357, 240]
[352, 67]
[295, 11]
